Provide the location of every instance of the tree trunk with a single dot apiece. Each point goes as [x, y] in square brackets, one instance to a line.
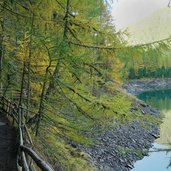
[40, 112]
[1, 47]
[57, 68]
[22, 85]
[29, 67]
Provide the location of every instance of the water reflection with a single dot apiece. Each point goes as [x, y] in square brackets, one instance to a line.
[158, 161]
[159, 99]
[165, 128]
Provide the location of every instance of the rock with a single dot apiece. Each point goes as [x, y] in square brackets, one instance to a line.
[134, 109]
[73, 144]
[120, 147]
[155, 135]
[146, 109]
[2, 124]
[129, 166]
[136, 87]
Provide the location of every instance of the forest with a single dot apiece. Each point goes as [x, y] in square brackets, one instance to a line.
[64, 63]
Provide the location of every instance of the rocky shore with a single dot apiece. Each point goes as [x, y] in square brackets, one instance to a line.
[119, 147]
[136, 87]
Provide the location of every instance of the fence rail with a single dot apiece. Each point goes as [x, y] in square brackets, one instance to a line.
[26, 154]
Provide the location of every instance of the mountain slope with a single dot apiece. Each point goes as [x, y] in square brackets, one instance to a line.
[152, 28]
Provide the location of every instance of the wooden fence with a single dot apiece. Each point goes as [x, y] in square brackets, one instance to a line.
[26, 155]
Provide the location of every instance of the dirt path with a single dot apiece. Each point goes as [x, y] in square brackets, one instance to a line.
[8, 146]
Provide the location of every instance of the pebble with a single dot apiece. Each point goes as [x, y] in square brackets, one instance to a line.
[120, 147]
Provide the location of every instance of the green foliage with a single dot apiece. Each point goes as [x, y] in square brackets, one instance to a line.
[131, 73]
[143, 73]
[64, 60]
[65, 157]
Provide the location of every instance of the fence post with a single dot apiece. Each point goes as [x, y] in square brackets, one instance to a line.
[26, 155]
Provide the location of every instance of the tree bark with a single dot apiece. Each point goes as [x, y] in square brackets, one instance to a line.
[2, 46]
[22, 85]
[57, 68]
[29, 67]
[40, 112]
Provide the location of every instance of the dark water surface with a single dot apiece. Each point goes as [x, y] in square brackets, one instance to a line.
[158, 161]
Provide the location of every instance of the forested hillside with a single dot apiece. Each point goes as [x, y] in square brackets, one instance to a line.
[151, 28]
[63, 62]
[154, 64]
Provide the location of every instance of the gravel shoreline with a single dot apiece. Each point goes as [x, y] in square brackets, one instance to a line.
[120, 147]
[136, 87]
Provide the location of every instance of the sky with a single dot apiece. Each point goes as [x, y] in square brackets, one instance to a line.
[127, 12]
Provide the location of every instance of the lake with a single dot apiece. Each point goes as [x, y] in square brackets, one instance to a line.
[158, 161]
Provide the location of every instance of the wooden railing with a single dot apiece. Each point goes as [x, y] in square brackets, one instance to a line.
[26, 155]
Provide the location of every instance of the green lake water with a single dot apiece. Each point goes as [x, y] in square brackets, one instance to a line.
[158, 161]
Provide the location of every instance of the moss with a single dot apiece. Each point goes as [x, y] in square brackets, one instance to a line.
[140, 153]
[148, 120]
[123, 150]
[55, 150]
